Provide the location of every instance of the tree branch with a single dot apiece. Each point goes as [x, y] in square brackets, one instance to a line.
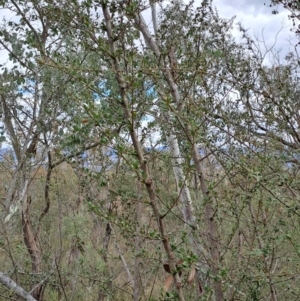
[8, 282]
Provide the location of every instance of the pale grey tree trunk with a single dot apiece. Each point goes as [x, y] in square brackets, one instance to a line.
[181, 181]
[209, 211]
[177, 161]
[9, 283]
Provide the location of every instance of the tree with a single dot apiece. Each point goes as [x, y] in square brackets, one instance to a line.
[129, 123]
[293, 7]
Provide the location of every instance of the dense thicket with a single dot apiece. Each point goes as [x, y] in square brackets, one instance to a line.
[145, 158]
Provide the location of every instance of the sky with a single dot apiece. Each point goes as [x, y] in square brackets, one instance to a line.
[260, 22]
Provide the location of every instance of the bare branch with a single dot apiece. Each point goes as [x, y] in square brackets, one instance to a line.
[9, 283]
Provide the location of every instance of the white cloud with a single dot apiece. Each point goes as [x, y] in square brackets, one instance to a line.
[260, 22]
[253, 7]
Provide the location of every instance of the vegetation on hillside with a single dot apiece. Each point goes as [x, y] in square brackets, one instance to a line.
[146, 161]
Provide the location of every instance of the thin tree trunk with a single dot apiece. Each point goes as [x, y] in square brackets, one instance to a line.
[9, 283]
[183, 189]
[33, 248]
[146, 178]
[120, 253]
[211, 227]
[177, 161]
[107, 274]
[209, 211]
[268, 266]
[138, 286]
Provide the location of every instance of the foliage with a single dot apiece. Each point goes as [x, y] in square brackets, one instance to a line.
[134, 149]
